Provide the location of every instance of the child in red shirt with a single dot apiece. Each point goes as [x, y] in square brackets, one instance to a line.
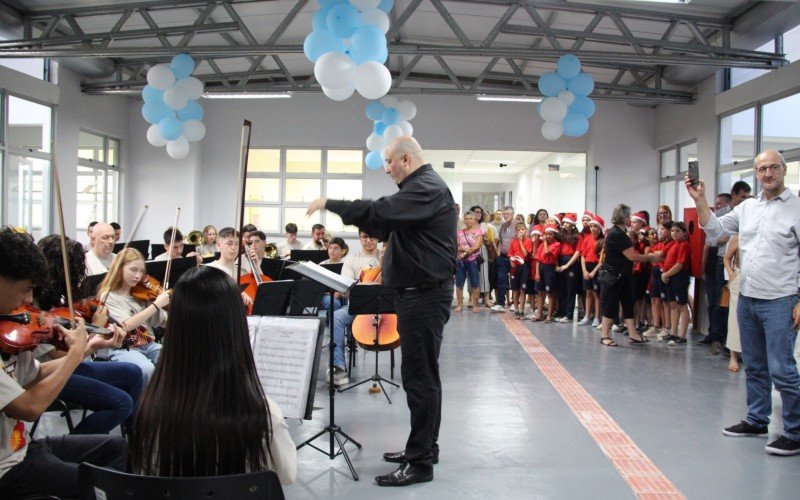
[520, 253]
[589, 261]
[655, 284]
[676, 277]
[547, 255]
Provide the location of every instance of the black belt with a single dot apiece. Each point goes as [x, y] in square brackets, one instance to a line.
[424, 286]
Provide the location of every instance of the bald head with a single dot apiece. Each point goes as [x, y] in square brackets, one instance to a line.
[403, 156]
[770, 156]
[103, 239]
[770, 169]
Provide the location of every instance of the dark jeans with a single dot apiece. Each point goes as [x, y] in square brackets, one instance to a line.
[717, 316]
[51, 465]
[503, 268]
[421, 316]
[109, 389]
[567, 284]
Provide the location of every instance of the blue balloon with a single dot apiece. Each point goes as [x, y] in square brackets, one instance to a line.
[374, 110]
[390, 116]
[150, 93]
[374, 160]
[182, 66]
[343, 20]
[170, 127]
[379, 128]
[386, 5]
[154, 111]
[581, 85]
[192, 111]
[583, 106]
[568, 66]
[384, 55]
[550, 84]
[367, 43]
[320, 42]
[575, 125]
[320, 19]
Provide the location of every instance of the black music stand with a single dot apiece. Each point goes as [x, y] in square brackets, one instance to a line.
[332, 429]
[272, 298]
[142, 245]
[158, 268]
[372, 300]
[315, 256]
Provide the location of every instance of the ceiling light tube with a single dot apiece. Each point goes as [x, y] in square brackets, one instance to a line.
[247, 95]
[508, 98]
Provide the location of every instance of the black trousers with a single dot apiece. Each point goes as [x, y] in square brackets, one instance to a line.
[421, 316]
[51, 465]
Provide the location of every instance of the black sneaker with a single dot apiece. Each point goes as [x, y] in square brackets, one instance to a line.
[744, 429]
[783, 446]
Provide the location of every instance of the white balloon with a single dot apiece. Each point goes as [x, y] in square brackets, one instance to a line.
[373, 80]
[160, 77]
[407, 128]
[363, 5]
[340, 94]
[375, 142]
[390, 101]
[552, 130]
[553, 109]
[407, 110]
[392, 132]
[567, 96]
[194, 130]
[376, 17]
[154, 136]
[178, 148]
[334, 70]
[175, 98]
[192, 87]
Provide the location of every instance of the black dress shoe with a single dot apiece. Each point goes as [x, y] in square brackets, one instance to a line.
[399, 457]
[404, 475]
[706, 340]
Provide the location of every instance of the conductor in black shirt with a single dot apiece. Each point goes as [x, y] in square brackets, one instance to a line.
[418, 224]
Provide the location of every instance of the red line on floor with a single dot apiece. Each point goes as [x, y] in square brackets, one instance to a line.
[645, 479]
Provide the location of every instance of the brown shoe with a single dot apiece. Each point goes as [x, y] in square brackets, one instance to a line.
[715, 348]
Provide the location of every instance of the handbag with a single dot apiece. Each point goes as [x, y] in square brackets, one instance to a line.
[607, 276]
[480, 260]
[491, 250]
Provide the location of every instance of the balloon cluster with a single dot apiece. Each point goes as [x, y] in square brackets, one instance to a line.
[391, 118]
[566, 108]
[348, 47]
[170, 105]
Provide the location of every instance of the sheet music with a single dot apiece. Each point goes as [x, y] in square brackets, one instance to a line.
[285, 350]
[325, 276]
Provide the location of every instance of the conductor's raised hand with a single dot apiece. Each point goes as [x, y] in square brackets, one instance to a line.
[315, 205]
[696, 192]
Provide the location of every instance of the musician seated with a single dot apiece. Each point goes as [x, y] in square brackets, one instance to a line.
[126, 272]
[205, 413]
[89, 229]
[335, 249]
[257, 242]
[117, 231]
[176, 251]
[246, 231]
[355, 265]
[209, 245]
[99, 258]
[228, 246]
[46, 466]
[317, 238]
[291, 243]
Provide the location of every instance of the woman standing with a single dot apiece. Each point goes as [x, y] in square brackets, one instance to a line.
[470, 240]
[485, 268]
[618, 258]
[731, 261]
[205, 413]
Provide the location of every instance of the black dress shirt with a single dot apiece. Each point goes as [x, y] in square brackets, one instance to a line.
[419, 223]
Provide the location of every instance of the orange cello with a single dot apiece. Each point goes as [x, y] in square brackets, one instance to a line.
[253, 279]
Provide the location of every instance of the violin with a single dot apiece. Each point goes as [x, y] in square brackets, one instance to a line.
[86, 308]
[147, 289]
[253, 279]
[27, 327]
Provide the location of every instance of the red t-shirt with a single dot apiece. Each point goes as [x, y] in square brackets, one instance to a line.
[514, 250]
[566, 248]
[549, 257]
[589, 249]
[665, 246]
[679, 252]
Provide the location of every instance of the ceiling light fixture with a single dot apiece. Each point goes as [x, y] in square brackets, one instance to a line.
[508, 98]
[247, 95]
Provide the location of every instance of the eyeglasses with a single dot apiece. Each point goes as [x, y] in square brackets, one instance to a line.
[664, 213]
[772, 169]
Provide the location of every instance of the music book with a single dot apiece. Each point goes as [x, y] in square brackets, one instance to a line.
[324, 276]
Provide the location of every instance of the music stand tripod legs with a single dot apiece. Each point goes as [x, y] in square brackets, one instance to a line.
[376, 378]
[335, 433]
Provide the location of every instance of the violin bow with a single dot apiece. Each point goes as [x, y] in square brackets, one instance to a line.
[169, 252]
[243, 156]
[63, 238]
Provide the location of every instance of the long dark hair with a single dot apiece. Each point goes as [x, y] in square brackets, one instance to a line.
[570, 236]
[51, 293]
[483, 213]
[204, 413]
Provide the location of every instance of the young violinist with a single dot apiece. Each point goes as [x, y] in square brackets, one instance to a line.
[228, 246]
[125, 273]
[205, 412]
[46, 466]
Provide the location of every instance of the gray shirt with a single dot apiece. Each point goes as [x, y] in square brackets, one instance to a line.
[769, 243]
[507, 234]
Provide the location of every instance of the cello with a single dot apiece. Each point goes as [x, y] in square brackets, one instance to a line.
[253, 279]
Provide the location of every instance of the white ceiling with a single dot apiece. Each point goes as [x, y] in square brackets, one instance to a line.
[488, 162]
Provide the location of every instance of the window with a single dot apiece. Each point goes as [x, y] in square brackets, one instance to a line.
[743, 75]
[780, 129]
[788, 43]
[674, 164]
[282, 182]
[737, 137]
[34, 67]
[97, 179]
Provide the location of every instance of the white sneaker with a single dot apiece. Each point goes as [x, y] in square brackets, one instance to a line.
[512, 310]
[650, 332]
[564, 319]
[614, 328]
[663, 333]
[498, 308]
[585, 321]
[596, 324]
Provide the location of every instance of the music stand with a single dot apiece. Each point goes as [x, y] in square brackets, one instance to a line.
[93, 282]
[315, 256]
[336, 268]
[273, 268]
[142, 245]
[306, 297]
[272, 297]
[373, 300]
[157, 268]
[332, 284]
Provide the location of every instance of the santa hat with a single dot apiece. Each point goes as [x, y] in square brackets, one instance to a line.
[571, 218]
[537, 229]
[587, 214]
[644, 229]
[599, 222]
[556, 217]
[640, 217]
[552, 228]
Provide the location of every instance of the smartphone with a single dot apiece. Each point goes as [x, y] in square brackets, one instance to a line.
[694, 173]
